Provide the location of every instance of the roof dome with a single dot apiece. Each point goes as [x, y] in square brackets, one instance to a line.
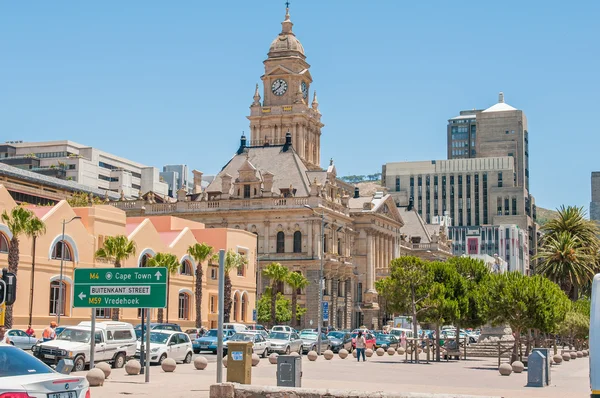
[287, 41]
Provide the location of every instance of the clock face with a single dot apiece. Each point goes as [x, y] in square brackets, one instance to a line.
[279, 87]
[304, 87]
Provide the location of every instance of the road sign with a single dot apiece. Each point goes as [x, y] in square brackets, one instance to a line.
[120, 288]
[10, 279]
[254, 315]
[325, 310]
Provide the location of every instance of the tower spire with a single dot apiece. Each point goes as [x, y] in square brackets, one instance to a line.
[256, 97]
[315, 103]
[286, 25]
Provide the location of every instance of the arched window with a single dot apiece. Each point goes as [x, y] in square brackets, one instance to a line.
[3, 244]
[144, 260]
[55, 293]
[184, 306]
[244, 307]
[236, 306]
[186, 268]
[297, 242]
[280, 242]
[61, 250]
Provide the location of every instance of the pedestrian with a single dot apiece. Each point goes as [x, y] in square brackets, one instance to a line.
[361, 344]
[403, 339]
[49, 333]
[3, 336]
[30, 332]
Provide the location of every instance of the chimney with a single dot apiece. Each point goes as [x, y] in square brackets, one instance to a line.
[410, 203]
[356, 192]
[501, 97]
[288, 141]
[242, 144]
[197, 181]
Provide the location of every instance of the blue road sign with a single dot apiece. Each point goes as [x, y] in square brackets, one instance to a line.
[254, 315]
[325, 310]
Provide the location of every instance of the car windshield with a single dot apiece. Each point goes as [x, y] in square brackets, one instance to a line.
[211, 333]
[279, 336]
[159, 338]
[384, 337]
[308, 335]
[76, 335]
[242, 337]
[336, 335]
[16, 362]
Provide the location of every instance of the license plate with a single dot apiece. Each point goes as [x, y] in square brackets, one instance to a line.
[49, 356]
[69, 394]
[204, 345]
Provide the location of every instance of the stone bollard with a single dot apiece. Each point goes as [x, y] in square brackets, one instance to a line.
[95, 377]
[573, 355]
[517, 366]
[273, 358]
[380, 351]
[328, 354]
[133, 367]
[200, 363]
[585, 353]
[579, 354]
[105, 367]
[312, 356]
[505, 369]
[400, 350]
[391, 351]
[294, 354]
[557, 359]
[168, 365]
[255, 359]
[566, 357]
[343, 354]
[225, 361]
[354, 353]
[369, 352]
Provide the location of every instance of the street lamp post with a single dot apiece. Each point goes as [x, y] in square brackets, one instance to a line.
[320, 312]
[62, 260]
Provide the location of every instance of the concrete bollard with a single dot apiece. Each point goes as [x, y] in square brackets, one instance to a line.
[95, 377]
[573, 355]
[518, 367]
[105, 367]
[225, 361]
[400, 350]
[255, 359]
[343, 354]
[133, 367]
[585, 353]
[312, 356]
[369, 352]
[354, 353]
[391, 351]
[579, 354]
[168, 365]
[294, 354]
[566, 357]
[328, 354]
[505, 369]
[558, 359]
[200, 363]
[380, 351]
[273, 358]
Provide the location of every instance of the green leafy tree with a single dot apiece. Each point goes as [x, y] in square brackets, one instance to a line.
[200, 252]
[296, 281]
[20, 222]
[283, 312]
[170, 262]
[116, 249]
[408, 287]
[233, 261]
[276, 273]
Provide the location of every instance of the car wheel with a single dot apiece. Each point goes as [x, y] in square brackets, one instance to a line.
[264, 354]
[119, 361]
[328, 347]
[162, 358]
[188, 358]
[79, 364]
[287, 350]
[196, 351]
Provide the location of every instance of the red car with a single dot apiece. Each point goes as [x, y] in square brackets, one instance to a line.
[369, 337]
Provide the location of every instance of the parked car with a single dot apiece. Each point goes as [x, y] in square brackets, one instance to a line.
[369, 337]
[22, 375]
[408, 333]
[238, 327]
[114, 343]
[283, 328]
[263, 333]
[340, 340]
[309, 341]
[157, 326]
[386, 341]
[258, 327]
[285, 342]
[227, 334]
[260, 346]
[20, 339]
[209, 339]
[168, 344]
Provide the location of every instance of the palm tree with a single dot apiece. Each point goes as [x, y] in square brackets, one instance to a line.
[235, 261]
[36, 229]
[296, 281]
[200, 252]
[116, 249]
[170, 262]
[572, 219]
[565, 261]
[276, 273]
[19, 221]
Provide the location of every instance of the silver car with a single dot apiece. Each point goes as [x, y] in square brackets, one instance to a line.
[285, 342]
[20, 339]
[309, 341]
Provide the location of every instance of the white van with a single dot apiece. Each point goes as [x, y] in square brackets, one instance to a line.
[115, 343]
[398, 332]
[238, 327]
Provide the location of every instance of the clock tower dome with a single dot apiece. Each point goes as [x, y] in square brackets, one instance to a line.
[285, 107]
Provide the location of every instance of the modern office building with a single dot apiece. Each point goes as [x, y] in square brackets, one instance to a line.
[176, 176]
[86, 165]
[595, 203]
[462, 135]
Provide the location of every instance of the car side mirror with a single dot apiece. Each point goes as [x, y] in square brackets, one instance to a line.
[172, 343]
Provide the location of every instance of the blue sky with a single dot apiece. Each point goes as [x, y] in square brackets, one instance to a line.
[171, 82]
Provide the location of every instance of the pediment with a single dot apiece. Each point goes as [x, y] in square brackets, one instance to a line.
[388, 209]
[280, 70]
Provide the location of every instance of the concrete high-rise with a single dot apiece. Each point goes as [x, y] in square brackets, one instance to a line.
[462, 135]
[595, 203]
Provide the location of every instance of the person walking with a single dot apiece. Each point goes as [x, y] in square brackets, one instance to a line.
[30, 332]
[361, 344]
[49, 333]
[3, 336]
[403, 339]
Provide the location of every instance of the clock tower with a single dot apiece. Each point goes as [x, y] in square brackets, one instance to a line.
[285, 107]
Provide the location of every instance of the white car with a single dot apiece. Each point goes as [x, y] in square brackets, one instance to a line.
[20, 339]
[260, 346]
[22, 375]
[284, 328]
[168, 344]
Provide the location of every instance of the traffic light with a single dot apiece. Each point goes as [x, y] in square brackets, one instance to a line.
[10, 287]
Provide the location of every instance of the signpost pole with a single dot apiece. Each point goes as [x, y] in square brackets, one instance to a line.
[220, 323]
[142, 346]
[147, 374]
[93, 339]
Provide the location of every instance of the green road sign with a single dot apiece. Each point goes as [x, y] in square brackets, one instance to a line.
[120, 288]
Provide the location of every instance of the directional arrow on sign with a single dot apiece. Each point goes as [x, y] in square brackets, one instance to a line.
[158, 275]
[81, 296]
